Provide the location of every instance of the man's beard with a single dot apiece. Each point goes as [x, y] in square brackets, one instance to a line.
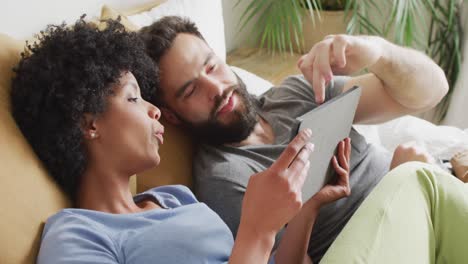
[240, 127]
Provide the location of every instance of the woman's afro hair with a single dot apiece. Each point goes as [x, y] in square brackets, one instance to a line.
[70, 71]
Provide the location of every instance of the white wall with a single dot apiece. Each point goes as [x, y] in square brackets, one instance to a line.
[22, 18]
[231, 20]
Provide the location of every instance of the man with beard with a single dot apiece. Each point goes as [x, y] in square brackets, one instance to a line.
[244, 135]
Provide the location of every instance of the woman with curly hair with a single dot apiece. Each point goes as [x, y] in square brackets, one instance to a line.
[82, 97]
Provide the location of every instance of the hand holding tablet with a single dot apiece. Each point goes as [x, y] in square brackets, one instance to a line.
[330, 123]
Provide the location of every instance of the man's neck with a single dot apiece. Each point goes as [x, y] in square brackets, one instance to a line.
[262, 134]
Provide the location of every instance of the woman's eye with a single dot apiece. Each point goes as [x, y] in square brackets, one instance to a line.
[133, 99]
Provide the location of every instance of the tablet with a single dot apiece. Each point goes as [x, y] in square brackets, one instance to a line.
[330, 123]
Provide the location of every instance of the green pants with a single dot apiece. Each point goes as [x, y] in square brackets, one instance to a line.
[417, 214]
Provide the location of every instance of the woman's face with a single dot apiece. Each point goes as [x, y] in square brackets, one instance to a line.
[128, 134]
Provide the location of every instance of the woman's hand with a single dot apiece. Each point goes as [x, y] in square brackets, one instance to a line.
[273, 197]
[295, 242]
[339, 189]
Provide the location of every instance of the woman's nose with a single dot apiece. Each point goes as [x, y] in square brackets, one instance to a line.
[154, 112]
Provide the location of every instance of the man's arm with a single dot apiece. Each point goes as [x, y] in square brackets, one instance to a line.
[401, 80]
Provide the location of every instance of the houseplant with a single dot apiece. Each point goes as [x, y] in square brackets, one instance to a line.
[432, 26]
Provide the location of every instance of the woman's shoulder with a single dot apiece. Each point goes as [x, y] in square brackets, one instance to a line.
[73, 221]
[69, 231]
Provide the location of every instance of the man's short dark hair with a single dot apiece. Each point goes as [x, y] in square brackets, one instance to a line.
[159, 37]
[68, 73]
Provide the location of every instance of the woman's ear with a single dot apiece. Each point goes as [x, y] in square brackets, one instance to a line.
[170, 116]
[88, 127]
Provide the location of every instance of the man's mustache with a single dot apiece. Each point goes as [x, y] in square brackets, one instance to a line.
[220, 99]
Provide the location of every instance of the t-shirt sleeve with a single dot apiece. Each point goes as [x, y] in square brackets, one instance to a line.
[296, 96]
[68, 239]
[297, 86]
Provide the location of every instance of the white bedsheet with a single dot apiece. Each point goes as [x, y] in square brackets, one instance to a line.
[441, 141]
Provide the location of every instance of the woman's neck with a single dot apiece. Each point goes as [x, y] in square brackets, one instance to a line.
[109, 192]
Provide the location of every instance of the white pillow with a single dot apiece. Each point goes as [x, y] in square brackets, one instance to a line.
[206, 14]
[441, 141]
[255, 84]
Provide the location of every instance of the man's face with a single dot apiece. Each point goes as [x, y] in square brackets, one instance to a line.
[203, 94]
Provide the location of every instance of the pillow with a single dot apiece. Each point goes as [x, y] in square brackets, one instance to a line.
[441, 141]
[255, 84]
[206, 14]
[29, 195]
[108, 12]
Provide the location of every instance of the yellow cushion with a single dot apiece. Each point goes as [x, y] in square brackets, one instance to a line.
[108, 12]
[177, 150]
[176, 161]
[29, 195]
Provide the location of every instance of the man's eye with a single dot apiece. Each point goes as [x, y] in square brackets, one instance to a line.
[133, 99]
[190, 92]
[211, 68]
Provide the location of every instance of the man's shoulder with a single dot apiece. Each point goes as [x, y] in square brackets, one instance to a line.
[220, 162]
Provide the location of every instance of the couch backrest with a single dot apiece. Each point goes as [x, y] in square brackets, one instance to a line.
[29, 195]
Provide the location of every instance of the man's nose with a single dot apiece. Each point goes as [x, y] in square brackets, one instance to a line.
[213, 87]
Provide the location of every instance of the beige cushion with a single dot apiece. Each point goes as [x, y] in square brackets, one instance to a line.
[177, 150]
[108, 12]
[29, 195]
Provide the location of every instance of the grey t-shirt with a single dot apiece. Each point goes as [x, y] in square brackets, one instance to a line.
[221, 173]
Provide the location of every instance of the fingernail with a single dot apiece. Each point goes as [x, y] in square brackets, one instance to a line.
[310, 146]
[308, 132]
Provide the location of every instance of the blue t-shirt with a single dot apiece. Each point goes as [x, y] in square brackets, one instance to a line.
[185, 231]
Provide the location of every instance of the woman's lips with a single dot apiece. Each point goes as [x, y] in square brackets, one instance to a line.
[159, 135]
[160, 138]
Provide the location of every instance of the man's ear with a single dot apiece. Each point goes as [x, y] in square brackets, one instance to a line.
[89, 127]
[170, 116]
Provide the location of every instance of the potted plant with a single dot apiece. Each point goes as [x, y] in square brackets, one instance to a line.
[330, 19]
[433, 26]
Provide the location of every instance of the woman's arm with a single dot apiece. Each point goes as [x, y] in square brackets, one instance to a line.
[294, 244]
[273, 198]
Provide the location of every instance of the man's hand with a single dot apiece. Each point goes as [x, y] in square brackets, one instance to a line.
[338, 54]
[273, 196]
